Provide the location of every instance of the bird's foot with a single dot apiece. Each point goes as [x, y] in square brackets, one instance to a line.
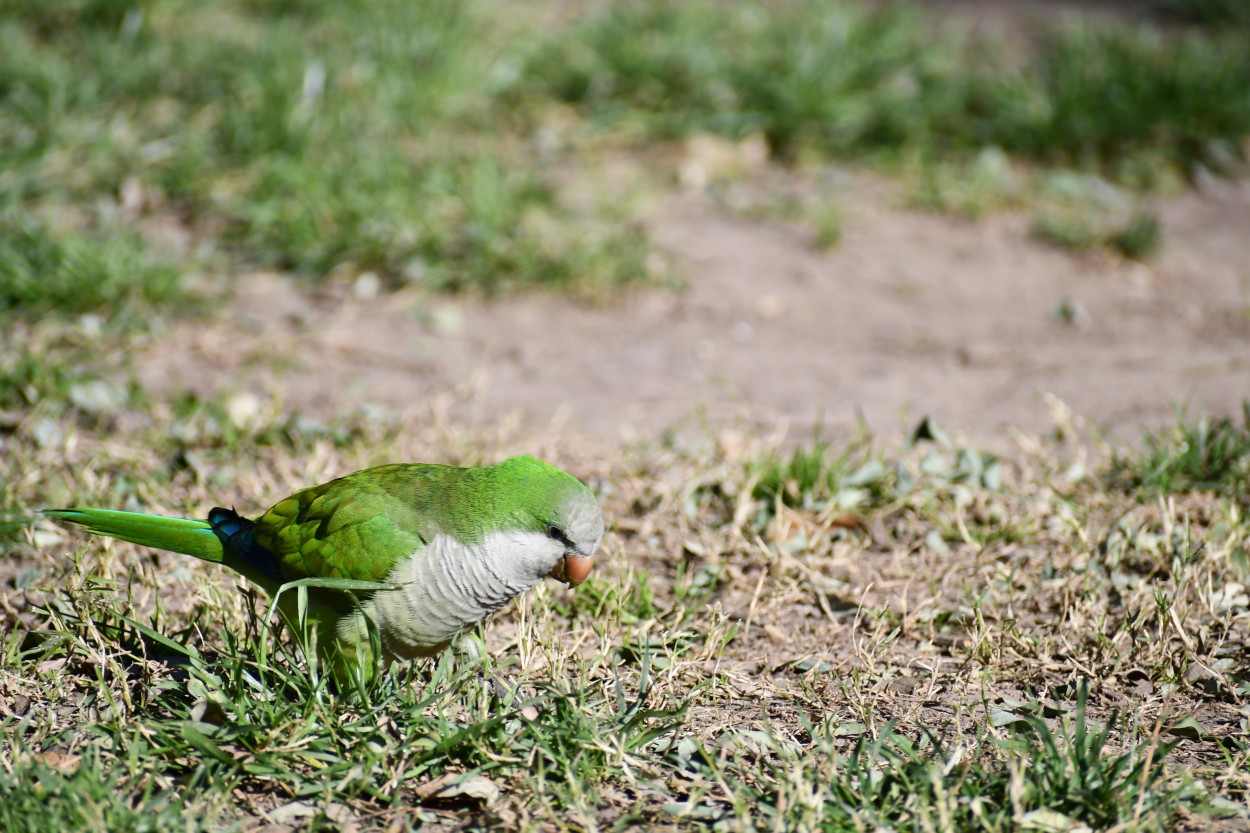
[503, 690]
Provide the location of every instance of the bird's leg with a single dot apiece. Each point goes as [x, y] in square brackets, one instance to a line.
[472, 646]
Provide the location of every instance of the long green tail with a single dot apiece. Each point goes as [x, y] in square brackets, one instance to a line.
[174, 534]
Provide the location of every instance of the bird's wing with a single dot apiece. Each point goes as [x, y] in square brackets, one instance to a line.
[357, 527]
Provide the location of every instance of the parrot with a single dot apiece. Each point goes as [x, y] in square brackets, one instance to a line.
[448, 546]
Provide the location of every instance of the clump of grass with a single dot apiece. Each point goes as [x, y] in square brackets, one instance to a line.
[828, 222]
[1179, 99]
[817, 477]
[972, 187]
[1138, 238]
[1195, 454]
[812, 475]
[1068, 231]
[88, 793]
[42, 272]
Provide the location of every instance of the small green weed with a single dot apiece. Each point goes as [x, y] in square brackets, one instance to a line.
[1139, 238]
[1195, 454]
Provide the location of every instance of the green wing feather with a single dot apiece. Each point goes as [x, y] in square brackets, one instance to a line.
[357, 527]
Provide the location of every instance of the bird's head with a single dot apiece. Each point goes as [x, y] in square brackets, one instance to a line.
[563, 509]
[578, 526]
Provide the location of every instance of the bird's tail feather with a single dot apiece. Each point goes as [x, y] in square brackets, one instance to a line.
[174, 534]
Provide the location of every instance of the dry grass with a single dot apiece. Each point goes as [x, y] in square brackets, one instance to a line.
[763, 629]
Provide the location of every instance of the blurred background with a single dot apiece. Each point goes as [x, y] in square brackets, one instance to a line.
[609, 218]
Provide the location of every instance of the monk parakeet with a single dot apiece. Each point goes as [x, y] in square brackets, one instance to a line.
[451, 544]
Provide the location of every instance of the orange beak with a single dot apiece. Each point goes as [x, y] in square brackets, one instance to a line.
[572, 569]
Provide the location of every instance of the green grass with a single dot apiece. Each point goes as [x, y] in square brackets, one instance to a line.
[1197, 453]
[1177, 101]
[42, 272]
[817, 477]
[1043, 777]
[825, 78]
[288, 145]
[93, 795]
[246, 717]
[1082, 229]
[1141, 238]
[973, 187]
[837, 80]
[143, 144]
[1208, 12]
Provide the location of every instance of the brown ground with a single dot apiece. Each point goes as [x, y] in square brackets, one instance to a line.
[912, 314]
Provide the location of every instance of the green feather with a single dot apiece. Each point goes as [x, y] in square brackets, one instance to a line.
[175, 534]
[356, 527]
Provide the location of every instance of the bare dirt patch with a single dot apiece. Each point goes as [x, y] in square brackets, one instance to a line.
[911, 314]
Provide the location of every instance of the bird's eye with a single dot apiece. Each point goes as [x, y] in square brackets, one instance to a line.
[557, 534]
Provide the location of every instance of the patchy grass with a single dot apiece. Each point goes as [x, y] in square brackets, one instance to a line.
[840, 635]
[428, 145]
[147, 149]
[971, 127]
[276, 138]
[1038, 777]
[842, 81]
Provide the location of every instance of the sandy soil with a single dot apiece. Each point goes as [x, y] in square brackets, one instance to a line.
[912, 314]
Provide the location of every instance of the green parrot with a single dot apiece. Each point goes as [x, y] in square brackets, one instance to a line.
[452, 545]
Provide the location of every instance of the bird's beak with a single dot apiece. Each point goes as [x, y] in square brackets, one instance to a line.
[572, 569]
